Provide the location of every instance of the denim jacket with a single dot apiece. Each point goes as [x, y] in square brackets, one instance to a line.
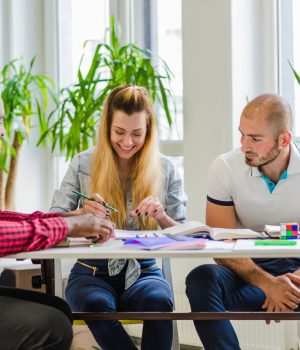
[78, 177]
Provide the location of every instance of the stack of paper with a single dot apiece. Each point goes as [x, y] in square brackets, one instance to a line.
[151, 243]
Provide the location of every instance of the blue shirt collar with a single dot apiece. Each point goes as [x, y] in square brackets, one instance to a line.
[270, 184]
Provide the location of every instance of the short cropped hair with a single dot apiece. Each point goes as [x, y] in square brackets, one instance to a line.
[276, 108]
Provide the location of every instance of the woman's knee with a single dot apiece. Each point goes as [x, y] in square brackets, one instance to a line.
[99, 302]
[156, 301]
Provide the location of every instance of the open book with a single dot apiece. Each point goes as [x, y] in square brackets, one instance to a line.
[195, 228]
[192, 228]
[272, 231]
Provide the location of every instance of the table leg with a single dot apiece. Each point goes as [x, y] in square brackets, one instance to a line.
[58, 282]
[47, 268]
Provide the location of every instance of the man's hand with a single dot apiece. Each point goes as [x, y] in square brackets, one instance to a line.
[91, 226]
[282, 293]
[297, 273]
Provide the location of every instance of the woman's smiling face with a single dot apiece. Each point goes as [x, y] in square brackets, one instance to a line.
[128, 133]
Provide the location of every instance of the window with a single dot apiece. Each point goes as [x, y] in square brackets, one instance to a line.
[145, 22]
[167, 44]
[162, 34]
[79, 21]
[169, 47]
[289, 51]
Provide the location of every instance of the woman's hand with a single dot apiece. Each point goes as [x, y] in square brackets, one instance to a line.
[94, 207]
[150, 206]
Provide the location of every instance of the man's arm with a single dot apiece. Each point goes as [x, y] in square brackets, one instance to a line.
[24, 235]
[220, 216]
[42, 233]
[15, 216]
[281, 292]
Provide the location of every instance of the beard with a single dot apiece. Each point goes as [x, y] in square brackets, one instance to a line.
[261, 161]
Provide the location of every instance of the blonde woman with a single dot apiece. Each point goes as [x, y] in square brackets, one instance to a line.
[126, 171]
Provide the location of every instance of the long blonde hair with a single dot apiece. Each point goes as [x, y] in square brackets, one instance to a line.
[146, 172]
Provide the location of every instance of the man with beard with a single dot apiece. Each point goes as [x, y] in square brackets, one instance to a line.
[249, 187]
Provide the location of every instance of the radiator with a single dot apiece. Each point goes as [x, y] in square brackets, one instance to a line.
[253, 335]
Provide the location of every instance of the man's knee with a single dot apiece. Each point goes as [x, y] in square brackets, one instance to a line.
[203, 273]
[201, 279]
[50, 329]
[61, 331]
[156, 301]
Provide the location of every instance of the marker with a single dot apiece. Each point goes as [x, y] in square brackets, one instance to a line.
[94, 200]
[275, 242]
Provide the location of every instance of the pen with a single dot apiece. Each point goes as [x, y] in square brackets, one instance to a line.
[176, 238]
[94, 200]
[275, 242]
[267, 234]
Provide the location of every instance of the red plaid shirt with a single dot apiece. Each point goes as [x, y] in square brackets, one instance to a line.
[24, 232]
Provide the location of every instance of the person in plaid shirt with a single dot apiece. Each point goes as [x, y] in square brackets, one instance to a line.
[26, 232]
[33, 320]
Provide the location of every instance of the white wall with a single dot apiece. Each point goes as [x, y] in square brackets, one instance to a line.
[207, 102]
[254, 53]
[229, 55]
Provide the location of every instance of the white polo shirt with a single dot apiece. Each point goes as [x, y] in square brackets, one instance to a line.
[232, 182]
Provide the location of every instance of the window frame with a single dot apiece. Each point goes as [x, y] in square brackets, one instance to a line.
[128, 13]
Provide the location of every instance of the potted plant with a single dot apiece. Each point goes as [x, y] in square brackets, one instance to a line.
[73, 123]
[25, 96]
[296, 75]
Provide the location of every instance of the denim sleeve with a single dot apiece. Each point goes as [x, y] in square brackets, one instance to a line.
[64, 199]
[175, 198]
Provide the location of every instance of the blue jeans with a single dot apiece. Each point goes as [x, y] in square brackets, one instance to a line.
[215, 288]
[102, 292]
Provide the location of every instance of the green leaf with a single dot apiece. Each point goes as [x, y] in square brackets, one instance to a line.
[296, 75]
[72, 123]
[26, 96]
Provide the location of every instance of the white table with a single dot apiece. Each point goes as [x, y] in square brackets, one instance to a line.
[115, 249]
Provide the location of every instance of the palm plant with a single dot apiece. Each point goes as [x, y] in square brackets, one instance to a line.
[296, 75]
[74, 121]
[25, 96]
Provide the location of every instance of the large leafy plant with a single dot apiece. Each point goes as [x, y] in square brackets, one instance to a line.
[25, 96]
[73, 123]
[296, 75]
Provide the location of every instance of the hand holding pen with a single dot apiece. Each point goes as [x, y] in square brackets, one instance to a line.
[95, 204]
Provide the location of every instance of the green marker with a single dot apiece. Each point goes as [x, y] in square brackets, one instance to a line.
[94, 200]
[275, 242]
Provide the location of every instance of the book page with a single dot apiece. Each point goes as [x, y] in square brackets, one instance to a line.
[272, 230]
[230, 233]
[124, 234]
[187, 228]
